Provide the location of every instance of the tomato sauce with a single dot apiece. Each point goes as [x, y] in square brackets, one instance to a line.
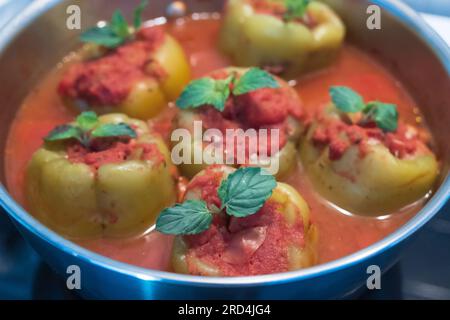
[279, 11]
[108, 80]
[265, 108]
[339, 136]
[340, 233]
[230, 251]
[116, 152]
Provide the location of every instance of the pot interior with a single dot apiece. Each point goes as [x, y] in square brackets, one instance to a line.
[45, 41]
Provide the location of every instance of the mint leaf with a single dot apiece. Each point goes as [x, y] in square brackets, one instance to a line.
[346, 100]
[209, 91]
[254, 79]
[385, 115]
[104, 36]
[64, 132]
[205, 91]
[113, 130]
[119, 25]
[137, 16]
[190, 217]
[295, 9]
[117, 31]
[245, 191]
[87, 120]
[87, 127]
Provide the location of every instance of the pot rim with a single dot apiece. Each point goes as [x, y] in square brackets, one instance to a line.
[431, 208]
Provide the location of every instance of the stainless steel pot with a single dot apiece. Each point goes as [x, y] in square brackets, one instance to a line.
[38, 38]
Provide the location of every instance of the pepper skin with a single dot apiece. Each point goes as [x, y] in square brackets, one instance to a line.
[252, 38]
[117, 199]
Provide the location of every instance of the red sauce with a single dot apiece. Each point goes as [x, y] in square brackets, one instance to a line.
[268, 7]
[266, 108]
[261, 109]
[256, 244]
[108, 80]
[278, 9]
[208, 184]
[113, 152]
[339, 136]
[401, 145]
[339, 234]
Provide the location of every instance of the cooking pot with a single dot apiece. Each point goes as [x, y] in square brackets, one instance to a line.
[37, 39]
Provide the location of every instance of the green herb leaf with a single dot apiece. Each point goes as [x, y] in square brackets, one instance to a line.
[87, 127]
[64, 132]
[209, 91]
[295, 9]
[137, 19]
[190, 217]
[119, 25]
[113, 130]
[87, 120]
[104, 36]
[117, 31]
[254, 79]
[245, 191]
[385, 115]
[205, 91]
[346, 100]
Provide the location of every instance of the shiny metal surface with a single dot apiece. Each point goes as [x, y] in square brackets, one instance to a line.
[37, 39]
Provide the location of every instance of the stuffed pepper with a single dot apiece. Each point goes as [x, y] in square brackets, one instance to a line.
[100, 176]
[361, 157]
[132, 70]
[286, 36]
[238, 223]
[247, 117]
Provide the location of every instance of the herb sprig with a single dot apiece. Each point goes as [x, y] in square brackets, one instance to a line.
[117, 31]
[242, 193]
[295, 9]
[87, 128]
[384, 115]
[215, 92]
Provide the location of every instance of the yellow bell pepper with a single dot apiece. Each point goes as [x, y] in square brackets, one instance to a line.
[286, 157]
[117, 199]
[290, 204]
[149, 96]
[253, 38]
[375, 184]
